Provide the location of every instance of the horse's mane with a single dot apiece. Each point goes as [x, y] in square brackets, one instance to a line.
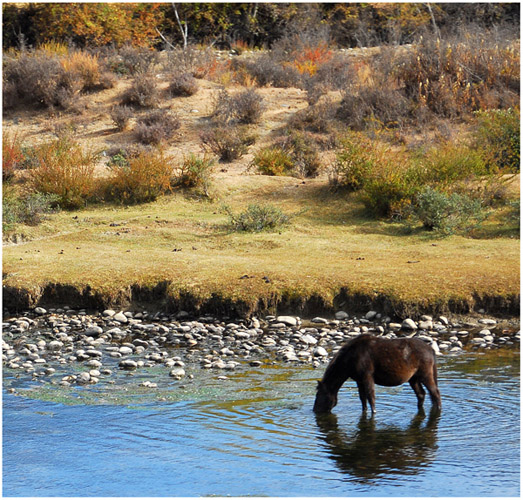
[331, 370]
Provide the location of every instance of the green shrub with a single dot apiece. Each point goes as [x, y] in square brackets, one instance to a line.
[257, 218]
[448, 163]
[498, 139]
[292, 155]
[194, 173]
[355, 160]
[273, 161]
[27, 209]
[447, 213]
[389, 191]
[66, 170]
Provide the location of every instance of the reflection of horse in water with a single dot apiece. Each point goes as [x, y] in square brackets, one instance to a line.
[369, 453]
[373, 360]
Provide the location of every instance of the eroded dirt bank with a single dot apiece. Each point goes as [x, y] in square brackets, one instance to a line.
[162, 297]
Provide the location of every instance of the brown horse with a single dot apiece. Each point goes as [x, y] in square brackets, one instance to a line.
[373, 360]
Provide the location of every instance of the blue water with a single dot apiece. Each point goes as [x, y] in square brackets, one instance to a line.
[251, 444]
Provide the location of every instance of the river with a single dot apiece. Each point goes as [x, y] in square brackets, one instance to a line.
[255, 434]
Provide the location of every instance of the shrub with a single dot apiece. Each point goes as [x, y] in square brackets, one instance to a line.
[291, 155]
[303, 153]
[384, 104]
[257, 218]
[243, 107]
[355, 161]
[389, 191]
[447, 213]
[272, 161]
[133, 60]
[65, 170]
[29, 208]
[456, 76]
[12, 155]
[448, 163]
[35, 77]
[336, 73]
[157, 126]
[183, 85]
[266, 71]
[308, 59]
[498, 139]
[84, 67]
[142, 92]
[121, 115]
[227, 142]
[314, 118]
[193, 60]
[141, 178]
[194, 173]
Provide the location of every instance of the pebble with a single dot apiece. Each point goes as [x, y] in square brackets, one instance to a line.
[75, 340]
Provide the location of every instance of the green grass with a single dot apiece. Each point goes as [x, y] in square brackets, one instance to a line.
[329, 245]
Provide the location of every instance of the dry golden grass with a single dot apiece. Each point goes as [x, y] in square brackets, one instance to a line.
[329, 245]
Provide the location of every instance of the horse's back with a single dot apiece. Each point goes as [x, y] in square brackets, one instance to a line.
[395, 361]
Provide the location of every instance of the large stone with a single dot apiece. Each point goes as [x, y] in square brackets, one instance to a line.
[128, 364]
[40, 311]
[341, 315]
[371, 315]
[320, 352]
[120, 317]
[487, 321]
[287, 320]
[55, 345]
[93, 331]
[177, 372]
[409, 324]
[309, 339]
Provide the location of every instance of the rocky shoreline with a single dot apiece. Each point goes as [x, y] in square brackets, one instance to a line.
[68, 347]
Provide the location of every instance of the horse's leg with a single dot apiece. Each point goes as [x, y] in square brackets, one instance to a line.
[418, 389]
[430, 381]
[362, 390]
[368, 382]
[367, 393]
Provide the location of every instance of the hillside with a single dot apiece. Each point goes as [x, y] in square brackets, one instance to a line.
[181, 252]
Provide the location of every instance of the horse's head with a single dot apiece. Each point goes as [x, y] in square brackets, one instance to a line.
[325, 400]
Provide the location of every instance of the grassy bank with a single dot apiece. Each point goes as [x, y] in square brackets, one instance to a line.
[180, 253]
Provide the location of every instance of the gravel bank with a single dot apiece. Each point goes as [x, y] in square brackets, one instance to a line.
[73, 347]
